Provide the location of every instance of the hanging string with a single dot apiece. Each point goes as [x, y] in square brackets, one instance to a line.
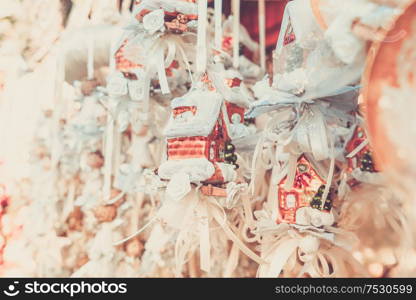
[125, 8]
[90, 59]
[283, 29]
[147, 225]
[108, 142]
[330, 172]
[236, 33]
[201, 58]
[262, 34]
[58, 102]
[358, 149]
[218, 24]
[111, 59]
[108, 158]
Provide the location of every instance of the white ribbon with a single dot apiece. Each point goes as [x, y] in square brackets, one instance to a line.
[260, 161]
[90, 60]
[262, 33]
[232, 261]
[218, 25]
[108, 156]
[161, 71]
[357, 149]
[330, 174]
[147, 225]
[281, 241]
[291, 171]
[59, 107]
[204, 239]
[236, 33]
[219, 215]
[234, 191]
[178, 187]
[317, 132]
[201, 57]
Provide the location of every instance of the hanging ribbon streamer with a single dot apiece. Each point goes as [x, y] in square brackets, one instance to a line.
[218, 24]
[253, 169]
[201, 57]
[116, 150]
[236, 33]
[358, 149]
[232, 261]
[283, 29]
[204, 239]
[111, 58]
[90, 59]
[147, 225]
[146, 97]
[108, 163]
[58, 101]
[163, 81]
[318, 135]
[109, 134]
[186, 62]
[330, 172]
[291, 171]
[262, 34]
[221, 220]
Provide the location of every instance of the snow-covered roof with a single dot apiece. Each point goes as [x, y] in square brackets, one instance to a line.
[208, 106]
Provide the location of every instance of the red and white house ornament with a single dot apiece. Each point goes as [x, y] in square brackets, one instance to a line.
[305, 193]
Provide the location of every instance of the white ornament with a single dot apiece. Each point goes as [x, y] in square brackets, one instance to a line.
[307, 216]
[309, 244]
[179, 186]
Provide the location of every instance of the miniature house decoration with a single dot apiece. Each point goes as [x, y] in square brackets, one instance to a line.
[199, 136]
[307, 189]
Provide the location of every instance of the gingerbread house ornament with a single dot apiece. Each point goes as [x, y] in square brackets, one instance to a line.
[198, 139]
[199, 135]
[306, 192]
[151, 55]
